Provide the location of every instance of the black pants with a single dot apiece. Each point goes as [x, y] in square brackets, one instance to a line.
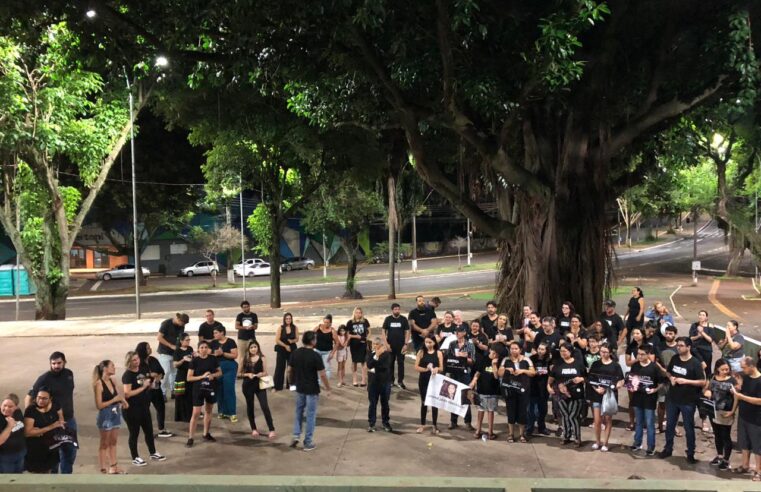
[377, 392]
[280, 366]
[251, 390]
[464, 378]
[139, 418]
[397, 357]
[183, 405]
[723, 440]
[157, 399]
[422, 386]
[517, 407]
[707, 356]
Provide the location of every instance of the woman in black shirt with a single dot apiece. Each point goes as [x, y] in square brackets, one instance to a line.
[285, 344]
[429, 361]
[12, 440]
[604, 375]
[150, 365]
[635, 311]
[183, 398]
[136, 382]
[504, 334]
[566, 383]
[719, 389]
[255, 368]
[225, 350]
[538, 396]
[42, 421]
[516, 372]
[564, 320]
[359, 329]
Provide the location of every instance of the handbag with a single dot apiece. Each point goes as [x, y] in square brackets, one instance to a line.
[179, 388]
[609, 404]
[265, 382]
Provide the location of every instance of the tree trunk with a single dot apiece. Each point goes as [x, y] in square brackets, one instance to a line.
[350, 246]
[392, 224]
[50, 299]
[277, 224]
[736, 250]
[560, 249]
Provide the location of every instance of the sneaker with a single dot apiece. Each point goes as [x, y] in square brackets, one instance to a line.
[294, 443]
[371, 428]
[164, 433]
[158, 457]
[558, 432]
[664, 454]
[545, 432]
[221, 416]
[634, 449]
[595, 447]
[650, 452]
[604, 449]
[403, 386]
[189, 444]
[716, 461]
[139, 461]
[233, 419]
[724, 465]
[209, 438]
[310, 447]
[387, 428]
[691, 459]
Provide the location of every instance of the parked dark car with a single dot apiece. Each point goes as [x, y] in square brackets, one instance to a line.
[297, 263]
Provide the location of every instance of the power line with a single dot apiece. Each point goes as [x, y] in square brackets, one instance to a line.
[140, 182]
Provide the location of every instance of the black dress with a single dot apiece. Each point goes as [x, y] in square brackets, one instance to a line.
[634, 308]
[183, 404]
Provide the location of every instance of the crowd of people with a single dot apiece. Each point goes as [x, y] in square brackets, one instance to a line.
[534, 364]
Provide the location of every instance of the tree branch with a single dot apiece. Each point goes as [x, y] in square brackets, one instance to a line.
[670, 109]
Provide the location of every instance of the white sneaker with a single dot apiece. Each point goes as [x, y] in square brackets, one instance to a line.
[139, 461]
[158, 456]
[595, 446]
[604, 449]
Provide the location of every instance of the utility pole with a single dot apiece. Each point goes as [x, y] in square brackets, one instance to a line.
[18, 262]
[695, 264]
[138, 266]
[414, 244]
[324, 258]
[468, 236]
[399, 259]
[242, 240]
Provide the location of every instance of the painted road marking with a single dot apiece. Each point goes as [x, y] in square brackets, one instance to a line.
[721, 307]
[95, 286]
[673, 306]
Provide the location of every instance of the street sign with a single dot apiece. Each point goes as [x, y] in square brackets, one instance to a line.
[695, 265]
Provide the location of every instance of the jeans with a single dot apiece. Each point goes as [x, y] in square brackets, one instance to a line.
[644, 417]
[377, 392]
[688, 417]
[170, 373]
[226, 402]
[397, 358]
[308, 404]
[12, 462]
[464, 378]
[67, 452]
[325, 354]
[537, 413]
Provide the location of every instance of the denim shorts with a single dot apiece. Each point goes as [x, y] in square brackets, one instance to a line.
[109, 418]
[596, 404]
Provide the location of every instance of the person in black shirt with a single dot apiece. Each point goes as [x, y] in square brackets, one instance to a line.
[458, 360]
[422, 322]
[719, 390]
[528, 333]
[516, 372]
[168, 338]
[687, 378]
[41, 422]
[206, 329]
[136, 382]
[480, 342]
[183, 402]
[246, 324]
[503, 331]
[285, 343]
[254, 369]
[12, 440]
[489, 320]
[564, 320]
[150, 365]
[60, 383]
[644, 381]
[635, 312]
[637, 341]
[604, 375]
[108, 402]
[615, 322]
[396, 329]
[486, 384]
[538, 395]
[358, 329]
[748, 401]
[549, 336]
[429, 361]
[305, 367]
[566, 383]
[702, 334]
[379, 388]
[202, 372]
[446, 328]
[226, 351]
[604, 334]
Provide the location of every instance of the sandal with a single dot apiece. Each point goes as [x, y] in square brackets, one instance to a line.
[741, 470]
[630, 427]
[115, 470]
[523, 439]
[510, 439]
[492, 437]
[756, 477]
[477, 435]
[420, 430]
[103, 470]
[271, 435]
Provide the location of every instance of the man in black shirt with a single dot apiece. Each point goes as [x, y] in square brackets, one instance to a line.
[396, 329]
[304, 368]
[246, 323]
[379, 370]
[169, 337]
[489, 320]
[615, 322]
[422, 322]
[206, 329]
[548, 336]
[60, 383]
[687, 378]
[748, 400]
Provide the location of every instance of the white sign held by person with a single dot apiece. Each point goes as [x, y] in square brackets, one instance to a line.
[447, 394]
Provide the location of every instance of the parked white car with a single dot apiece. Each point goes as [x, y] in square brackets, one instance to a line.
[253, 270]
[122, 271]
[249, 262]
[200, 268]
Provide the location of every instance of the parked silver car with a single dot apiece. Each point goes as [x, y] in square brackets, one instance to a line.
[122, 271]
[200, 268]
[297, 263]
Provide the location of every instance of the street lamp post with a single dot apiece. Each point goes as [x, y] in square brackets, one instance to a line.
[138, 266]
[242, 241]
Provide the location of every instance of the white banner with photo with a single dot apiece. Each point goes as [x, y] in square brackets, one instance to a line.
[447, 394]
